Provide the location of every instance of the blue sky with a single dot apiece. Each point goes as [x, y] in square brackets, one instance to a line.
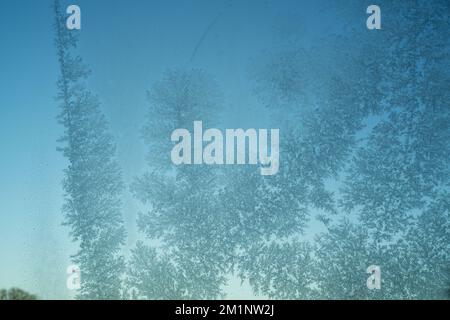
[128, 45]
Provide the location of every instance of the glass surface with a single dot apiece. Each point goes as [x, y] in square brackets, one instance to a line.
[235, 149]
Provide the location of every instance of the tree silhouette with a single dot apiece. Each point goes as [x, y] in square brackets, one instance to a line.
[184, 216]
[399, 178]
[380, 121]
[365, 124]
[92, 182]
[16, 294]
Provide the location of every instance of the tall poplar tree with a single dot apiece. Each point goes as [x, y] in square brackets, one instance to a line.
[92, 182]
